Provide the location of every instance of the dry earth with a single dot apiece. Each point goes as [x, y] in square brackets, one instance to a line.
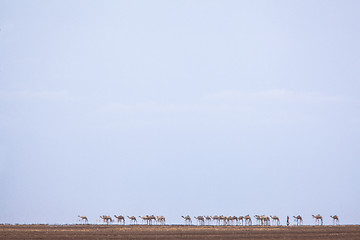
[92, 232]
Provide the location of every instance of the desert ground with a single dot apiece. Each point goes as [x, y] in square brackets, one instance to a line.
[92, 232]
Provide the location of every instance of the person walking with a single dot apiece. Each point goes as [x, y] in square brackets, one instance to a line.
[287, 221]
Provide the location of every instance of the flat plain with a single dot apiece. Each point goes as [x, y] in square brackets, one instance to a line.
[92, 232]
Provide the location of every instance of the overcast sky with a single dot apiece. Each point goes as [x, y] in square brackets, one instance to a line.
[179, 107]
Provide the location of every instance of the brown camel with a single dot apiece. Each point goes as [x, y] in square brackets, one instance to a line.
[235, 219]
[152, 218]
[187, 220]
[223, 219]
[262, 220]
[335, 219]
[298, 220]
[83, 219]
[106, 219]
[275, 219]
[120, 219]
[132, 219]
[208, 219]
[160, 219]
[201, 220]
[216, 218]
[145, 218]
[241, 220]
[318, 219]
[248, 220]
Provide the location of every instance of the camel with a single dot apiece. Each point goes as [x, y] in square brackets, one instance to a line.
[257, 219]
[148, 219]
[275, 219]
[216, 219]
[267, 220]
[132, 219]
[231, 219]
[335, 219]
[83, 219]
[151, 218]
[223, 219]
[248, 220]
[145, 218]
[262, 220]
[106, 219]
[298, 220]
[241, 219]
[120, 219]
[201, 220]
[226, 220]
[160, 219]
[208, 219]
[318, 219]
[187, 220]
[235, 219]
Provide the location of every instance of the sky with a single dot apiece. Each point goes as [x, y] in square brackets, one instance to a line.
[179, 107]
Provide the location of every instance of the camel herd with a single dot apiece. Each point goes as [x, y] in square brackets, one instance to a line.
[247, 220]
[148, 219]
[262, 220]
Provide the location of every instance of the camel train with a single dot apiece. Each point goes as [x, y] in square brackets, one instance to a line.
[262, 220]
[149, 220]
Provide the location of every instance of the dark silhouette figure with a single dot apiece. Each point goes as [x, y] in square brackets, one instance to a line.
[287, 221]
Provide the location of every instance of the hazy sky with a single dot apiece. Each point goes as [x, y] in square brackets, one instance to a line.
[179, 107]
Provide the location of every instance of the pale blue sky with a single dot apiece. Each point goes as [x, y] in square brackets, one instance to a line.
[179, 107]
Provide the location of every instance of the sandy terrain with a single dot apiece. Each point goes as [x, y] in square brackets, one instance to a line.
[90, 232]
